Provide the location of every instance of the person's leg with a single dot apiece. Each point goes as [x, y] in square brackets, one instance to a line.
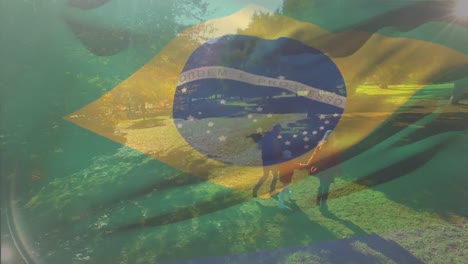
[457, 94]
[288, 192]
[266, 171]
[319, 195]
[260, 182]
[281, 199]
[274, 171]
[282, 196]
[324, 195]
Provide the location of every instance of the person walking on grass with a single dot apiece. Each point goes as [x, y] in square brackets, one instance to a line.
[322, 163]
[286, 172]
[458, 91]
[271, 156]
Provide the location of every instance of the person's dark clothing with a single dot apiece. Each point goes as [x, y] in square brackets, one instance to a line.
[271, 152]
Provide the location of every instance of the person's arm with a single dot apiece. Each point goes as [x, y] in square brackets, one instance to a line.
[314, 154]
[326, 163]
[300, 166]
[313, 165]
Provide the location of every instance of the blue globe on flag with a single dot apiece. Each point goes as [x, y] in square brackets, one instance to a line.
[235, 88]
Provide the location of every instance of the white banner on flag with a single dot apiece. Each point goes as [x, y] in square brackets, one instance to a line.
[220, 72]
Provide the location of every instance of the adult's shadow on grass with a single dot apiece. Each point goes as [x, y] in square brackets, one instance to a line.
[383, 249]
[299, 240]
[350, 225]
[373, 242]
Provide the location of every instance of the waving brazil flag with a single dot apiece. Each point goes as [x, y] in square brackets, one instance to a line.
[201, 79]
[165, 132]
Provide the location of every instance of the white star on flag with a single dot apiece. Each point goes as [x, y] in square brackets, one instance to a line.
[249, 116]
[327, 122]
[222, 138]
[335, 115]
[190, 118]
[210, 124]
[280, 137]
[314, 132]
[306, 139]
[184, 90]
[259, 109]
[306, 146]
[222, 101]
[322, 116]
[199, 113]
[287, 143]
[294, 136]
[304, 133]
[321, 128]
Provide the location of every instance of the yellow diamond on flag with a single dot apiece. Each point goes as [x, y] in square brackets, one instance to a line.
[206, 116]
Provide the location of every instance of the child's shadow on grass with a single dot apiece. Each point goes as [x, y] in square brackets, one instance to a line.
[297, 225]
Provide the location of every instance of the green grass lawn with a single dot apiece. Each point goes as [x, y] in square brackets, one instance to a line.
[403, 184]
[144, 211]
